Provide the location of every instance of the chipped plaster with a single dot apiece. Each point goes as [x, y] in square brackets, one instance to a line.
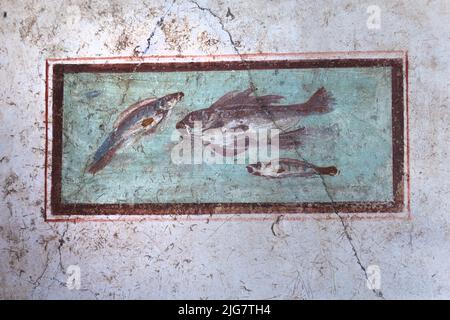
[277, 259]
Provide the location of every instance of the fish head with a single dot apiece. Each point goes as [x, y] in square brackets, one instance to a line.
[187, 123]
[254, 168]
[169, 101]
[203, 119]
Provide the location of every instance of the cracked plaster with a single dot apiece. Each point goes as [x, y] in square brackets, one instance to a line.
[278, 259]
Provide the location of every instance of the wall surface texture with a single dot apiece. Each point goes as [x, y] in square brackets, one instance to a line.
[207, 258]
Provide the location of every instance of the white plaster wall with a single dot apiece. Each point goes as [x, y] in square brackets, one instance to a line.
[217, 259]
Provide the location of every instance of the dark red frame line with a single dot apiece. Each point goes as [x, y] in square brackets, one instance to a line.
[398, 125]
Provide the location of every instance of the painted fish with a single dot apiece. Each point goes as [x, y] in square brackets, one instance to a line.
[286, 140]
[139, 119]
[286, 167]
[243, 111]
[296, 138]
[93, 94]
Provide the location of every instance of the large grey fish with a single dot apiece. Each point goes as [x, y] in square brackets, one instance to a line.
[285, 140]
[286, 167]
[139, 119]
[242, 111]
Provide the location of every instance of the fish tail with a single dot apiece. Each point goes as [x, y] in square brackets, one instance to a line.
[296, 138]
[290, 144]
[330, 171]
[105, 153]
[291, 139]
[293, 133]
[99, 164]
[320, 102]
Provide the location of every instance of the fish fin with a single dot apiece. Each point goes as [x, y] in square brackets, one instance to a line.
[231, 98]
[234, 98]
[125, 113]
[293, 133]
[164, 122]
[290, 144]
[291, 139]
[298, 137]
[147, 121]
[268, 99]
[321, 101]
[222, 100]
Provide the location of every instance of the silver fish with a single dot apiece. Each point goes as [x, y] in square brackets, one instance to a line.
[240, 111]
[235, 144]
[139, 119]
[286, 167]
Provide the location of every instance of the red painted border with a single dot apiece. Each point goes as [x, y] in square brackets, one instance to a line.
[135, 208]
[408, 175]
[224, 56]
[46, 139]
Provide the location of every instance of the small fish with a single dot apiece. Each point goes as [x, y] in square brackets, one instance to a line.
[285, 167]
[139, 119]
[241, 111]
[93, 94]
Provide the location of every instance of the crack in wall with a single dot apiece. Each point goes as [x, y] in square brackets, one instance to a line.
[37, 282]
[61, 242]
[158, 24]
[378, 293]
[222, 25]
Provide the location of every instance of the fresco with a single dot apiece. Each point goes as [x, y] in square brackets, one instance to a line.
[316, 135]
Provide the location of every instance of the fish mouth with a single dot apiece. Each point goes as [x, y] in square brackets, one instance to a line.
[171, 100]
[180, 125]
[176, 96]
[179, 95]
[250, 169]
[183, 128]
